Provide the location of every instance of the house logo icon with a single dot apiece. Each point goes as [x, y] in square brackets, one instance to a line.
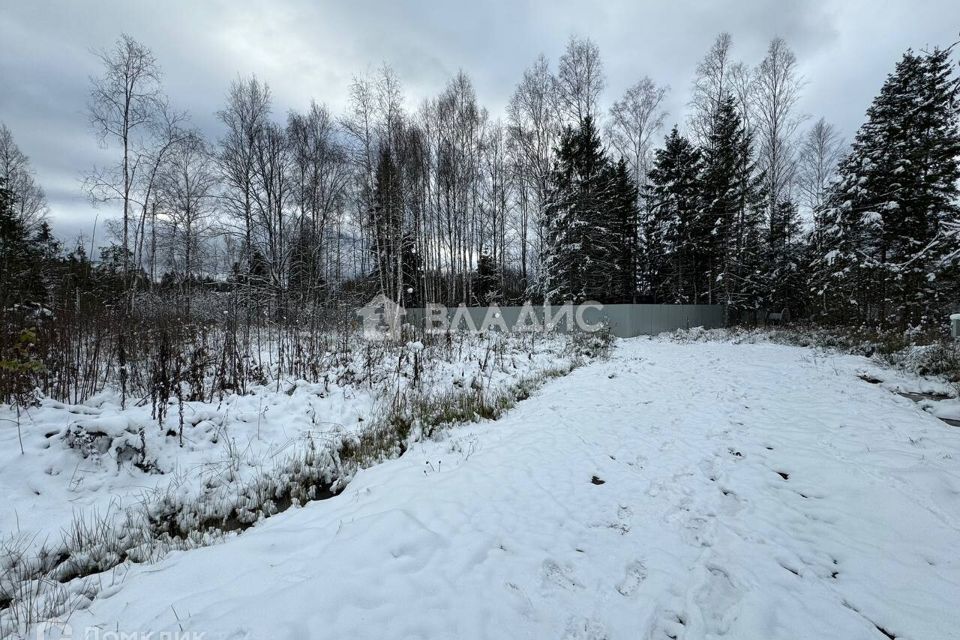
[382, 318]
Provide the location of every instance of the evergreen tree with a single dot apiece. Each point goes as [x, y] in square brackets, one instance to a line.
[487, 288]
[21, 256]
[669, 261]
[786, 261]
[625, 229]
[397, 265]
[891, 213]
[387, 222]
[306, 269]
[582, 259]
[726, 240]
[76, 273]
[111, 278]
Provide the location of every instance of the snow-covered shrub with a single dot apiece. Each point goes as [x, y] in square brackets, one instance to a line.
[937, 359]
[595, 344]
[27, 596]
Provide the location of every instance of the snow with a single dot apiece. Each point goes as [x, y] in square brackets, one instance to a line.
[675, 491]
[955, 316]
[53, 482]
[71, 466]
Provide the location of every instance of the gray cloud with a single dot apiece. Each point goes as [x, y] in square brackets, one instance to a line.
[310, 50]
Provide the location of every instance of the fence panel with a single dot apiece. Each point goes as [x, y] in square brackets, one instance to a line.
[624, 320]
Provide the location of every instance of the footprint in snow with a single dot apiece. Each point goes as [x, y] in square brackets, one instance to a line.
[635, 573]
[732, 503]
[717, 599]
[666, 625]
[584, 629]
[553, 574]
[524, 605]
[708, 467]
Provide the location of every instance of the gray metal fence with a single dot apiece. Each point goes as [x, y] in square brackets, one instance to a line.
[624, 320]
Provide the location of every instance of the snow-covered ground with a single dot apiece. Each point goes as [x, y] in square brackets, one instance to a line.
[94, 460]
[674, 491]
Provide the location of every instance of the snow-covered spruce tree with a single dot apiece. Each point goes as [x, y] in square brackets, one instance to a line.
[625, 228]
[488, 282]
[889, 243]
[12, 240]
[581, 254]
[670, 262]
[556, 216]
[591, 218]
[786, 264]
[940, 182]
[21, 284]
[725, 237]
[24, 257]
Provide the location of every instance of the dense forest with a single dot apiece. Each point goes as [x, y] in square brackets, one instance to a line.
[288, 222]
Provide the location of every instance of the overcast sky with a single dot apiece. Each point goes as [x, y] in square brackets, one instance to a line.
[307, 50]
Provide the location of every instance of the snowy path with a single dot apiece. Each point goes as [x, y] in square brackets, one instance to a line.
[675, 491]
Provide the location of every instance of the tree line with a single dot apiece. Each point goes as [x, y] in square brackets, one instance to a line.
[747, 202]
[745, 213]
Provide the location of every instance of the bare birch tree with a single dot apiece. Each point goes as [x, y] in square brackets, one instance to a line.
[777, 91]
[533, 127]
[123, 103]
[710, 86]
[742, 86]
[16, 174]
[580, 80]
[245, 117]
[166, 132]
[820, 153]
[634, 121]
[320, 174]
[187, 188]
